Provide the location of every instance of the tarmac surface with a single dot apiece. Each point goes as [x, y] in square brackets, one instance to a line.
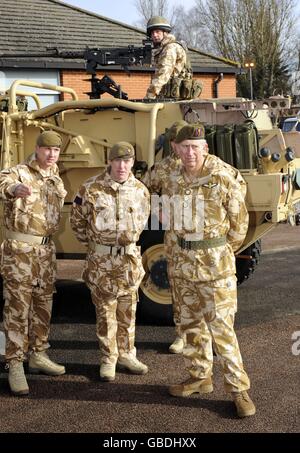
[268, 330]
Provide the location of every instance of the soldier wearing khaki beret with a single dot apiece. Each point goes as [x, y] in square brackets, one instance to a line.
[213, 226]
[108, 215]
[155, 179]
[33, 195]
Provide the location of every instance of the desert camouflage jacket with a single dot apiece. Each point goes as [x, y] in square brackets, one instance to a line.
[170, 60]
[212, 206]
[109, 213]
[39, 213]
[156, 177]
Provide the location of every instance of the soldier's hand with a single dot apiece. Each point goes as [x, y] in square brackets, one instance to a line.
[150, 94]
[22, 191]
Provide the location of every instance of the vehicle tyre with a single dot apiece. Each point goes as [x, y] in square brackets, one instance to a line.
[245, 267]
[155, 303]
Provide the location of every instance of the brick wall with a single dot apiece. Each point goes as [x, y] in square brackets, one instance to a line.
[135, 84]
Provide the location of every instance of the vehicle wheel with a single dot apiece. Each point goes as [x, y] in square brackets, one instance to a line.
[155, 304]
[245, 267]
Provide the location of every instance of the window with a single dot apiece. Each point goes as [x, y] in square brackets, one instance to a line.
[47, 97]
[289, 125]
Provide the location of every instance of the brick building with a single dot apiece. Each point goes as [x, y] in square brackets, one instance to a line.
[32, 26]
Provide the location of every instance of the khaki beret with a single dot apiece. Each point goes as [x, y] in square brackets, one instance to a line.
[191, 132]
[121, 150]
[49, 138]
[174, 129]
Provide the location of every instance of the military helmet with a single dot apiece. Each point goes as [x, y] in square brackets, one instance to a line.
[158, 23]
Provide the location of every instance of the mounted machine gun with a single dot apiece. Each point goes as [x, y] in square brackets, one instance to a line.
[95, 57]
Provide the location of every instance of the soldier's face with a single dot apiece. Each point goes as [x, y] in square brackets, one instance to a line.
[157, 36]
[120, 169]
[192, 154]
[47, 156]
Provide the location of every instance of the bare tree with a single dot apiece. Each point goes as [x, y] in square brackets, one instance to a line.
[176, 15]
[149, 8]
[260, 31]
[187, 28]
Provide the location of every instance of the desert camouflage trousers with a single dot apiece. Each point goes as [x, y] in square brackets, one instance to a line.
[28, 283]
[207, 311]
[168, 245]
[113, 282]
[175, 306]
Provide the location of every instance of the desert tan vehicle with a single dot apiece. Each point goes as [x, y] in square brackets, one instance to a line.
[238, 130]
[291, 132]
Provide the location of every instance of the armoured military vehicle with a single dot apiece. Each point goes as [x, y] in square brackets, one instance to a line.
[242, 132]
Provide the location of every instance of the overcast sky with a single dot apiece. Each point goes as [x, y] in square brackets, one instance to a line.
[120, 10]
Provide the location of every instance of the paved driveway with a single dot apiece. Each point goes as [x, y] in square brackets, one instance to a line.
[268, 318]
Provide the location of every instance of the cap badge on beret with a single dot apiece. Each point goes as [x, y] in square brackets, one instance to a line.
[198, 132]
[191, 132]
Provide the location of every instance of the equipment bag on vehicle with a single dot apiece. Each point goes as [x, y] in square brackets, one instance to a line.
[225, 143]
[246, 145]
[210, 137]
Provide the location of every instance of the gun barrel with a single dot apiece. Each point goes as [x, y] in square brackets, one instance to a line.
[23, 55]
[50, 53]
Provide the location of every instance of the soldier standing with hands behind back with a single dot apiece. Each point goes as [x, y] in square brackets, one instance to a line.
[33, 195]
[108, 215]
[210, 225]
[156, 178]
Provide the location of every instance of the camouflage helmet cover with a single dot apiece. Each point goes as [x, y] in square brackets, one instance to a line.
[158, 23]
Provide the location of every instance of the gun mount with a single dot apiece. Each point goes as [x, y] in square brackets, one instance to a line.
[95, 57]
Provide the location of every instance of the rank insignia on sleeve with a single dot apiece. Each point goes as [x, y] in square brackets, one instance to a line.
[78, 200]
[210, 185]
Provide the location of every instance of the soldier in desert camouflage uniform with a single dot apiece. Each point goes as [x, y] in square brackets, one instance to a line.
[33, 195]
[109, 214]
[169, 56]
[155, 179]
[210, 224]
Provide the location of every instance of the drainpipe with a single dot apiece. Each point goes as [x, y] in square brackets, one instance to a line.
[216, 82]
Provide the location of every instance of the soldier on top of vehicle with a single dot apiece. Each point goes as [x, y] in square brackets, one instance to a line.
[173, 75]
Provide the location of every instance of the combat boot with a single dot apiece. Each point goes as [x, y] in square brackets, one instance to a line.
[192, 385]
[243, 403]
[177, 346]
[39, 362]
[107, 371]
[17, 379]
[132, 364]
